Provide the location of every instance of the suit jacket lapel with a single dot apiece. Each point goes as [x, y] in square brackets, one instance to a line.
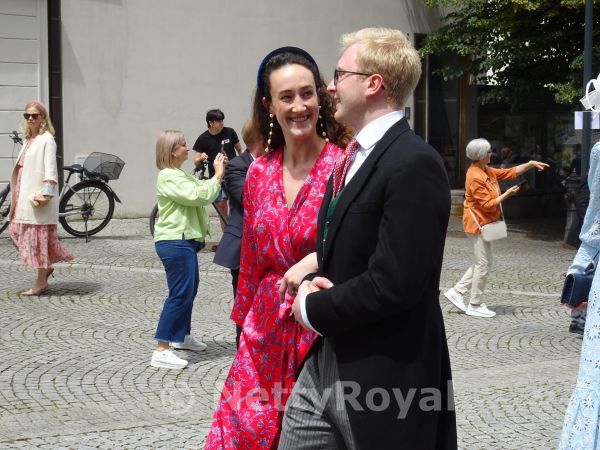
[354, 187]
[322, 220]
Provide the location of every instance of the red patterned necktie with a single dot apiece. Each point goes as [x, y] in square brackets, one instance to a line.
[340, 168]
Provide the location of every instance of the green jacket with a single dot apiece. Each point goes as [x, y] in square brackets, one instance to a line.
[182, 201]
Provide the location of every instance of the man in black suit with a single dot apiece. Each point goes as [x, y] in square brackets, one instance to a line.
[228, 252]
[380, 377]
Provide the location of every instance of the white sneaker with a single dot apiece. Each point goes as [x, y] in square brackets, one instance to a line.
[166, 359]
[479, 311]
[456, 298]
[189, 343]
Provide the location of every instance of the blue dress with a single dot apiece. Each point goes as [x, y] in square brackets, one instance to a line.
[581, 429]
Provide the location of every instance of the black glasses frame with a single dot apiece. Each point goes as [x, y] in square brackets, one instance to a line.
[337, 72]
[34, 116]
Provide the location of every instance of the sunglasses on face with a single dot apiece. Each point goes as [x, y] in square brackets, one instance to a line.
[32, 116]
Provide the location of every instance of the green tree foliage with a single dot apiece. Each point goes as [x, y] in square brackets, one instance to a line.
[531, 50]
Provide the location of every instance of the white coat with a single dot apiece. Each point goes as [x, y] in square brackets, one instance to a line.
[39, 164]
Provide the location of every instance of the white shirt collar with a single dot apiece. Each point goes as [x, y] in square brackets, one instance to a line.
[373, 131]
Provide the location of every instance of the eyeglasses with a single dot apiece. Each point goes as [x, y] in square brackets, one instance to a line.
[337, 72]
[32, 116]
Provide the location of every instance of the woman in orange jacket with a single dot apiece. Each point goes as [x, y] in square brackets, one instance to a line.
[482, 206]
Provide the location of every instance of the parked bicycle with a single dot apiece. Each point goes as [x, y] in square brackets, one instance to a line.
[201, 175]
[85, 208]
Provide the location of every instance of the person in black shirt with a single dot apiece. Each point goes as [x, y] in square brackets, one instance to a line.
[217, 138]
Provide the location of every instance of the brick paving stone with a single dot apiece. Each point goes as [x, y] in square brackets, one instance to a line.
[80, 376]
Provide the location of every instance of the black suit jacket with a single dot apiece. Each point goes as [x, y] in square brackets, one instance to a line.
[384, 253]
[228, 252]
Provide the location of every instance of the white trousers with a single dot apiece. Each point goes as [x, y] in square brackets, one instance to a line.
[476, 276]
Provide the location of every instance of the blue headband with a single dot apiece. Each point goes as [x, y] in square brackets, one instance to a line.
[279, 51]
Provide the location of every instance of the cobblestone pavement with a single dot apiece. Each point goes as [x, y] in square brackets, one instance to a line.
[75, 368]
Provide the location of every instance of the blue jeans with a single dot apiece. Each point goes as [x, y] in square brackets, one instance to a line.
[181, 266]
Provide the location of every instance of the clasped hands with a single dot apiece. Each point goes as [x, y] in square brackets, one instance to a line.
[305, 288]
[292, 283]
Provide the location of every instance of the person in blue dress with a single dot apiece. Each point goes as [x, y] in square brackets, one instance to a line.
[581, 427]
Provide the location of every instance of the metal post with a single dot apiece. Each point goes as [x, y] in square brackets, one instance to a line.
[586, 132]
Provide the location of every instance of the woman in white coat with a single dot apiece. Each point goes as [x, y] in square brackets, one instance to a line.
[34, 205]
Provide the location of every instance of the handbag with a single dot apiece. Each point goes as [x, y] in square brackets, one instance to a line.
[493, 230]
[577, 286]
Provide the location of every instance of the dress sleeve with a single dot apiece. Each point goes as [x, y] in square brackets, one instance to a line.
[249, 277]
[585, 255]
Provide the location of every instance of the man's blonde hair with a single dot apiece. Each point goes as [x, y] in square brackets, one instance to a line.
[167, 141]
[390, 54]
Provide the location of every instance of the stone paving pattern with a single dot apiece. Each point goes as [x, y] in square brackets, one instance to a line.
[75, 369]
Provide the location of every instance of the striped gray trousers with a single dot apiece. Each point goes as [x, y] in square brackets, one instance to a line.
[315, 416]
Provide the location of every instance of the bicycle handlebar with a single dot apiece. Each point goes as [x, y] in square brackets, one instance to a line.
[14, 135]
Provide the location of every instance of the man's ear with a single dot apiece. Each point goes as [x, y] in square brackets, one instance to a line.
[375, 84]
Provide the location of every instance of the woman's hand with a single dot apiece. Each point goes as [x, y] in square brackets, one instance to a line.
[510, 192]
[522, 168]
[579, 307]
[219, 164]
[538, 165]
[41, 200]
[295, 274]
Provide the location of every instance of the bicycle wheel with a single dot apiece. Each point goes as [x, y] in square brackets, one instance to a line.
[4, 208]
[87, 203]
[153, 219]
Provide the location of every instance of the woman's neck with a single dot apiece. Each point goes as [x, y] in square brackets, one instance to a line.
[480, 164]
[299, 153]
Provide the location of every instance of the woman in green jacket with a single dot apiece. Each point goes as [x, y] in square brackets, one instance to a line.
[179, 233]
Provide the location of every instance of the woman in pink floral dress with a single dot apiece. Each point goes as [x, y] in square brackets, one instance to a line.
[282, 196]
[34, 202]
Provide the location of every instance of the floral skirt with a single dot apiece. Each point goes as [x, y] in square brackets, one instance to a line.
[37, 245]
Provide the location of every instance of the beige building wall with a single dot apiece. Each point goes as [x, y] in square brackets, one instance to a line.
[134, 67]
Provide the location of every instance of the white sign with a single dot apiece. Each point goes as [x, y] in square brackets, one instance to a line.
[594, 120]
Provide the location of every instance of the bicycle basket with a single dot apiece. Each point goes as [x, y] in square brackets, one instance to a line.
[104, 164]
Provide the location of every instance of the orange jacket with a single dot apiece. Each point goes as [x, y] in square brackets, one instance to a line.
[481, 191]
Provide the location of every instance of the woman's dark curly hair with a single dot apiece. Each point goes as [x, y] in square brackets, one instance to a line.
[336, 133]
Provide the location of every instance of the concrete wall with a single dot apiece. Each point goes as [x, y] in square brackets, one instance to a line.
[23, 69]
[134, 67]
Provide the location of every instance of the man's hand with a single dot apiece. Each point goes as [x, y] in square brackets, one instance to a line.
[308, 287]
